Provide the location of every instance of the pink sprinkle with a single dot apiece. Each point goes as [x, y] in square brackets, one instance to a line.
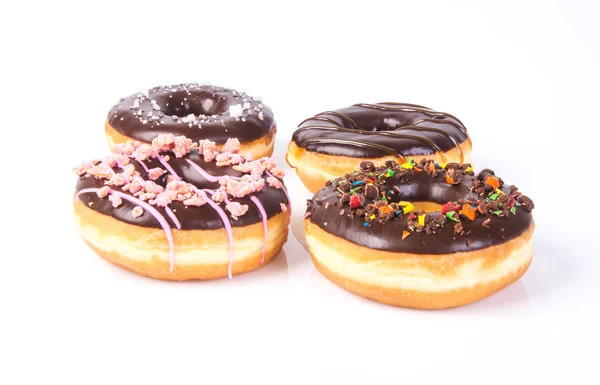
[83, 168]
[155, 173]
[163, 142]
[121, 160]
[274, 182]
[232, 145]
[182, 146]
[144, 152]
[109, 161]
[116, 201]
[101, 171]
[137, 211]
[103, 192]
[283, 207]
[236, 209]
[195, 200]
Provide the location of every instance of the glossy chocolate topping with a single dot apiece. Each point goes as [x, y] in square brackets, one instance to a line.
[191, 217]
[192, 110]
[377, 130]
[395, 233]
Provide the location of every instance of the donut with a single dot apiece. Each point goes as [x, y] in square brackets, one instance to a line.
[420, 235]
[333, 143]
[195, 111]
[179, 210]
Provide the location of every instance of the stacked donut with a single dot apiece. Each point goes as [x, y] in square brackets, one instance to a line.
[188, 191]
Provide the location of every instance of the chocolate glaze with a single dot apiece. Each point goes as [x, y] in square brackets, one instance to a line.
[377, 130]
[191, 217]
[387, 236]
[209, 104]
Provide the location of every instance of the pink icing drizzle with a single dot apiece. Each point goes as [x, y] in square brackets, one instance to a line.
[161, 220]
[142, 164]
[263, 215]
[203, 172]
[171, 215]
[167, 166]
[226, 224]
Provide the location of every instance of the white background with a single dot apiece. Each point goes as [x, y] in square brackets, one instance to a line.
[522, 76]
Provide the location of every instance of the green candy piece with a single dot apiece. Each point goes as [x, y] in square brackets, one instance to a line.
[494, 197]
[450, 215]
[352, 191]
[513, 210]
[497, 212]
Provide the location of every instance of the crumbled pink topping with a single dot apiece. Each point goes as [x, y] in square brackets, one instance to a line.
[103, 192]
[227, 159]
[283, 207]
[137, 211]
[277, 172]
[162, 199]
[207, 149]
[109, 161]
[163, 142]
[274, 182]
[182, 146]
[144, 152]
[101, 171]
[83, 168]
[195, 200]
[236, 209]
[117, 180]
[129, 171]
[232, 145]
[130, 180]
[155, 173]
[116, 200]
[239, 189]
[121, 160]
[219, 196]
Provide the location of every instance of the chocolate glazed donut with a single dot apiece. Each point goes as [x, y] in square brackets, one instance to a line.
[368, 232]
[197, 112]
[179, 210]
[333, 143]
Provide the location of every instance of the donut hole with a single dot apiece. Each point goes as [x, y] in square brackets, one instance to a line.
[182, 104]
[427, 206]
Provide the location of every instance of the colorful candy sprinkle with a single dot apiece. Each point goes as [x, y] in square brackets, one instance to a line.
[452, 216]
[468, 211]
[492, 181]
[494, 197]
[513, 210]
[422, 220]
[405, 234]
[407, 207]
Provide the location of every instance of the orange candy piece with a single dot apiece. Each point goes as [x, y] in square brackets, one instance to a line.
[431, 166]
[405, 234]
[492, 181]
[468, 211]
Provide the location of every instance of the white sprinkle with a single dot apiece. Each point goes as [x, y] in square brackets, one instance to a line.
[261, 116]
[137, 211]
[235, 110]
[136, 103]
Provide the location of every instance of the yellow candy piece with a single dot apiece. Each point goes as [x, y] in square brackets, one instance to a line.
[407, 207]
[443, 165]
[372, 216]
[469, 169]
[407, 166]
[422, 220]
[498, 191]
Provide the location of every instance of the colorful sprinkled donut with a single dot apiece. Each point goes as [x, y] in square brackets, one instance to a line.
[420, 234]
